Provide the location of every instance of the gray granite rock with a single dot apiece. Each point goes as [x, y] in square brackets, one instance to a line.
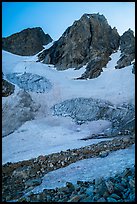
[127, 47]
[27, 42]
[33, 182]
[89, 40]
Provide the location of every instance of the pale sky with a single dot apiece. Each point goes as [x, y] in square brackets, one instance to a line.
[55, 17]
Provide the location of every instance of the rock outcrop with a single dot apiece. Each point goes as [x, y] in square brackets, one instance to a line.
[94, 67]
[7, 88]
[133, 69]
[27, 42]
[89, 40]
[127, 47]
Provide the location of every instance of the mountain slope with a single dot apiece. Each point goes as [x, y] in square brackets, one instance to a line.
[57, 128]
[127, 46]
[27, 42]
[89, 40]
[48, 144]
[116, 86]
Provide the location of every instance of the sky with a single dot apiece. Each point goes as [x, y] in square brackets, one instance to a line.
[55, 17]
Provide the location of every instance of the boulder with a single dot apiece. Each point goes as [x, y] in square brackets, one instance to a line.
[33, 182]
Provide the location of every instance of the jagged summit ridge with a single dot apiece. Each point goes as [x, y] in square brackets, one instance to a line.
[88, 41]
[88, 38]
[27, 42]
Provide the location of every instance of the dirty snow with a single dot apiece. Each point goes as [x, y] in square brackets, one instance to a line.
[47, 135]
[25, 111]
[89, 169]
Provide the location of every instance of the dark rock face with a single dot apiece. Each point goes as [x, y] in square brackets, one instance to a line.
[89, 39]
[94, 67]
[133, 70]
[27, 42]
[7, 88]
[127, 47]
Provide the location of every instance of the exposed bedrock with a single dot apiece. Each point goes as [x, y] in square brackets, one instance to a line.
[127, 47]
[7, 88]
[27, 42]
[90, 40]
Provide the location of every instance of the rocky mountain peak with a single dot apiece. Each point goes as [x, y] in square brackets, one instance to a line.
[27, 42]
[96, 16]
[127, 40]
[89, 37]
[127, 47]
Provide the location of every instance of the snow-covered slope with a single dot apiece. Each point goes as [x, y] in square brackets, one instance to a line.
[46, 133]
[115, 85]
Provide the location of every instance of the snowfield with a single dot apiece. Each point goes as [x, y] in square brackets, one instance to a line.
[114, 85]
[46, 136]
[89, 169]
[47, 133]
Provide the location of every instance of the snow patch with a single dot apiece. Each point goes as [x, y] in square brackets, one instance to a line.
[49, 45]
[48, 135]
[89, 169]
